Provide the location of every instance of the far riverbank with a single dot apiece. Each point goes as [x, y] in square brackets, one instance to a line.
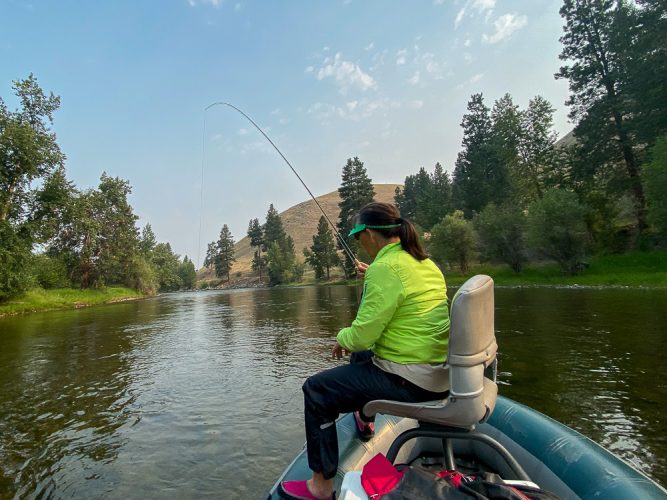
[635, 269]
[39, 300]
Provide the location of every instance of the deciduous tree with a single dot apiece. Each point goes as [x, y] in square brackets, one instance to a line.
[556, 229]
[453, 240]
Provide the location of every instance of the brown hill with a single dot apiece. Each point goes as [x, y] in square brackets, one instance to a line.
[300, 222]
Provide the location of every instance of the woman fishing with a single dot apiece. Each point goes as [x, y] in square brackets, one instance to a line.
[398, 342]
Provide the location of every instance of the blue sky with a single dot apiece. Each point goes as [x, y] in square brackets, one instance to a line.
[384, 80]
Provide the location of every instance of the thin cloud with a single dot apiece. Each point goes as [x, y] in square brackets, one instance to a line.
[213, 3]
[370, 46]
[346, 74]
[459, 17]
[505, 26]
[415, 79]
[400, 57]
[477, 78]
[483, 5]
[352, 110]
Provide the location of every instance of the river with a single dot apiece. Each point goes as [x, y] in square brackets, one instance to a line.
[199, 394]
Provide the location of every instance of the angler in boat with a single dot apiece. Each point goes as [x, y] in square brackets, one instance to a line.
[398, 339]
[465, 430]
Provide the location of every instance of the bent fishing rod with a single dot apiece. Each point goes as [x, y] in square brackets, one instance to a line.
[342, 241]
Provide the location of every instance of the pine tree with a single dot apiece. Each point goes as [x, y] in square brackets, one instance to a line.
[425, 198]
[256, 237]
[595, 42]
[480, 175]
[211, 254]
[534, 172]
[356, 190]
[273, 229]
[322, 254]
[147, 241]
[441, 196]
[225, 257]
[281, 258]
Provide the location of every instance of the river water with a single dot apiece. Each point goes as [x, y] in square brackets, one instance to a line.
[199, 394]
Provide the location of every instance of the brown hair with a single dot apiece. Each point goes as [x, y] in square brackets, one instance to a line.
[385, 214]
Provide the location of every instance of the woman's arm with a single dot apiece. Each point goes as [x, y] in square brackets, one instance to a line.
[383, 293]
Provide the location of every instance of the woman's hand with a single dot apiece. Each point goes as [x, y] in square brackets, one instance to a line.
[338, 351]
[361, 267]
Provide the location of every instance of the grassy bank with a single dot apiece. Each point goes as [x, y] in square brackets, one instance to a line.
[37, 300]
[632, 269]
[645, 269]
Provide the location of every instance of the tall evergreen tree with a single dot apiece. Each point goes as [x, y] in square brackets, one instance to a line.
[441, 196]
[535, 168]
[356, 190]
[256, 237]
[211, 254]
[594, 42]
[225, 253]
[480, 176]
[147, 241]
[425, 198]
[281, 258]
[646, 63]
[322, 254]
[273, 228]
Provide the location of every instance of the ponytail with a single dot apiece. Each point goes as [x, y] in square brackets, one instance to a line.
[386, 219]
[410, 240]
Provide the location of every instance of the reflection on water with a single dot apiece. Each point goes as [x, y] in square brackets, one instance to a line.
[198, 394]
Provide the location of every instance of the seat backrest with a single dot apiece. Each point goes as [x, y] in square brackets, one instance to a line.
[472, 346]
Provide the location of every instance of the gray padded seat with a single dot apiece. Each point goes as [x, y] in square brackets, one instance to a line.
[472, 348]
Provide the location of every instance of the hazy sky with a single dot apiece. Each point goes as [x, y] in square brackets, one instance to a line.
[384, 80]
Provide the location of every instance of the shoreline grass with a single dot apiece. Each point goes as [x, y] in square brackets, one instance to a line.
[634, 269]
[40, 300]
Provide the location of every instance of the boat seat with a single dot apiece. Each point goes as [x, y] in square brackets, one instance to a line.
[472, 395]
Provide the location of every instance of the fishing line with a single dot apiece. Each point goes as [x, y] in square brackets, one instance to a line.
[342, 241]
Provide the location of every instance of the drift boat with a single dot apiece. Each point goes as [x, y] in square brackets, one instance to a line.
[474, 431]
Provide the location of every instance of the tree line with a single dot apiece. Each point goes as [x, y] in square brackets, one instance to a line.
[54, 235]
[274, 255]
[515, 195]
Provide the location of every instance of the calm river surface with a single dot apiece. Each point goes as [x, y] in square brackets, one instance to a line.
[199, 394]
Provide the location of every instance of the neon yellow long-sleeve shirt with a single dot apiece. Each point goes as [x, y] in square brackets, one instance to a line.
[403, 316]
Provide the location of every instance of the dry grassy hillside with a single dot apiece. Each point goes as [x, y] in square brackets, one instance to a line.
[300, 223]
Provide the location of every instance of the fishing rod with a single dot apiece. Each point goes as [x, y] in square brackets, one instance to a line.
[342, 241]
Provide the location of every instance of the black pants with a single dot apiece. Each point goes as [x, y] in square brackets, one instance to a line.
[342, 390]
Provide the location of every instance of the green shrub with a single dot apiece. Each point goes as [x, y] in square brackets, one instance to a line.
[501, 234]
[50, 272]
[557, 229]
[453, 240]
[655, 183]
[14, 262]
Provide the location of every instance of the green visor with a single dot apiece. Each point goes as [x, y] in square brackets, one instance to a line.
[362, 227]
